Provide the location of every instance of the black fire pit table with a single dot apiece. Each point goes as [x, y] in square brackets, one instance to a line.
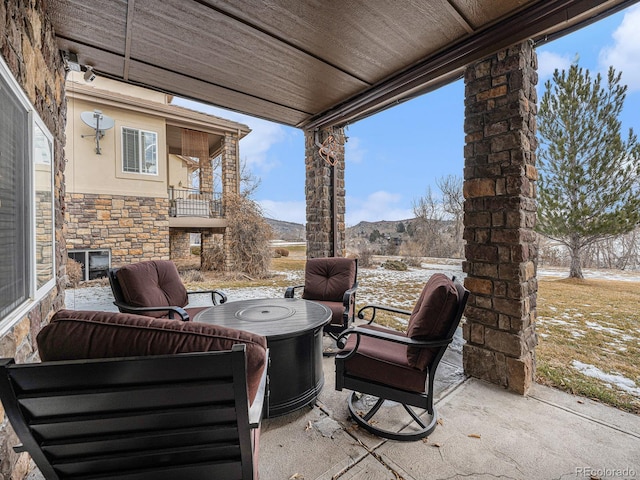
[293, 329]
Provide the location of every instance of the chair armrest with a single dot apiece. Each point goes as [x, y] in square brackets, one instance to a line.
[181, 312]
[219, 293]
[291, 291]
[388, 336]
[375, 309]
[260, 402]
[349, 296]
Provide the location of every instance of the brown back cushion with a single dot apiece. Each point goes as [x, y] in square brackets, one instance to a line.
[76, 334]
[154, 283]
[328, 278]
[431, 317]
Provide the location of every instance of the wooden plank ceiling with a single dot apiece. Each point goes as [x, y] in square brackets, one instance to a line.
[304, 63]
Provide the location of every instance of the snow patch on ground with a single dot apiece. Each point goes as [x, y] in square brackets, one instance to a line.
[620, 381]
[599, 328]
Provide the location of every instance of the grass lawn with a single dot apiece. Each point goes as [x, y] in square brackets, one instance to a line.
[589, 339]
[589, 330]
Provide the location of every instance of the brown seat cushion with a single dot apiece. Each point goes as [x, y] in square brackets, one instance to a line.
[432, 316]
[327, 279]
[337, 311]
[153, 283]
[76, 334]
[383, 362]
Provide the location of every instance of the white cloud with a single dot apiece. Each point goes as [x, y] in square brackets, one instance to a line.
[624, 54]
[255, 146]
[550, 61]
[354, 151]
[378, 206]
[291, 211]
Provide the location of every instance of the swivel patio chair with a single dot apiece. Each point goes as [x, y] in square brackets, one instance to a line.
[391, 365]
[129, 397]
[332, 282]
[154, 288]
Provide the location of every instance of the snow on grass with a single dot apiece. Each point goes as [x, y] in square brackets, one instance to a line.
[620, 381]
[599, 328]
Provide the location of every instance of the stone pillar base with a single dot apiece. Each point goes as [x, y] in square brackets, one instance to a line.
[515, 374]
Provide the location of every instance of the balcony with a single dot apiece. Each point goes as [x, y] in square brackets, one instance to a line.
[191, 208]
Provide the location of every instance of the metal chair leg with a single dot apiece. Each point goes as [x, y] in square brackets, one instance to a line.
[364, 422]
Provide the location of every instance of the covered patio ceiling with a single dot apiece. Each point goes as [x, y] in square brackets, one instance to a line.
[307, 64]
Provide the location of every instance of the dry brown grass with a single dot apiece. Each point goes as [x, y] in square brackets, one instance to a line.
[595, 322]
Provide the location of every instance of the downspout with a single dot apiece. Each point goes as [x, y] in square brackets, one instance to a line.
[238, 173]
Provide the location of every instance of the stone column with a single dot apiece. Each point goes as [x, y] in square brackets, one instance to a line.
[500, 215]
[325, 194]
[179, 244]
[230, 160]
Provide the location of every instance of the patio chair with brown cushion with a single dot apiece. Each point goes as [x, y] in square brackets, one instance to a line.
[391, 365]
[332, 282]
[154, 288]
[124, 396]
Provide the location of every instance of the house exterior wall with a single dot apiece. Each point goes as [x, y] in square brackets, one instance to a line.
[28, 48]
[108, 209]
[88, 172]
[178, 173]
[131, 227]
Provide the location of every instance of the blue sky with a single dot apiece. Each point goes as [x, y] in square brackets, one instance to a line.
[394, 156]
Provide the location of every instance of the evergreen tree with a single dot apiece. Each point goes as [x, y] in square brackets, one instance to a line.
[588, 183]
[375, 235]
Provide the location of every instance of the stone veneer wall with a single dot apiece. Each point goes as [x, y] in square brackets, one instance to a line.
[133, 228]
[500, 216]
[230, 186]
[179, 244]
[319, 196]
[28, 47]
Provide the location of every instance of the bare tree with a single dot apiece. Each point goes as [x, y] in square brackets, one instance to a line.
[453, 204]
[250, 236]
[429, 216]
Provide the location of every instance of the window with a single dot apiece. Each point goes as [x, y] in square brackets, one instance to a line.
[27, 231]
[139, 151]
[94, 263]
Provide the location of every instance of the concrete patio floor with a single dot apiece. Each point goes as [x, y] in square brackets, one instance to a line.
[485, 432]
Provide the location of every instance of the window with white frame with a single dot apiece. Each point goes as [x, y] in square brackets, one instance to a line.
[139, 151]
[27, 228]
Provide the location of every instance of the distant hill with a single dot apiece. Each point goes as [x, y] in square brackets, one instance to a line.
[295, 232]
[288, 231]
[385, 227]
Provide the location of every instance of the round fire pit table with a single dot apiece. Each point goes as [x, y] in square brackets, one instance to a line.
[293, 329]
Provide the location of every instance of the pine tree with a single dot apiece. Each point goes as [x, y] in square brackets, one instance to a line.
[589, 175]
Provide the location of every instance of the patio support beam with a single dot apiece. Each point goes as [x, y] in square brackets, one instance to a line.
[325, 195]
[500, 216]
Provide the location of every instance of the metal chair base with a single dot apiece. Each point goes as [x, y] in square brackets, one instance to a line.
[363, 421]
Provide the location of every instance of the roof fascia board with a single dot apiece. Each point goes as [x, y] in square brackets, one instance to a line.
[532, 22]
[173, 115]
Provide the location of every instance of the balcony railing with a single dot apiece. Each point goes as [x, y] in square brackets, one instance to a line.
[189, 202]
